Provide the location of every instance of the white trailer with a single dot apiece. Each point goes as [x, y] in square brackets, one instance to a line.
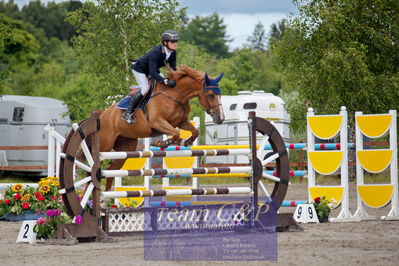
[234, 130]
[22, 122]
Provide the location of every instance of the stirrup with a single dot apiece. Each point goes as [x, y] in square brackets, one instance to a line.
[129, 117]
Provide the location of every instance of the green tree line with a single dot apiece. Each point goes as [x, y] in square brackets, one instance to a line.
[80, 52]
[333, 53]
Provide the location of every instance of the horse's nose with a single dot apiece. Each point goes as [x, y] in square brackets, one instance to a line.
[219, 120]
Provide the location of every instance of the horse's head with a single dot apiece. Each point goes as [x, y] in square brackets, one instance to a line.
[210, 99]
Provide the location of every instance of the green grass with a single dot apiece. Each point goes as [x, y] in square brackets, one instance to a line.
[17, 178]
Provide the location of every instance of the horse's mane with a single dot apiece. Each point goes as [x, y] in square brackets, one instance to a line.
[185, 70]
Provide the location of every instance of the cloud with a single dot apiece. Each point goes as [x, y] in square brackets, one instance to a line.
[241, 26]
[237, 6]
[241, 16]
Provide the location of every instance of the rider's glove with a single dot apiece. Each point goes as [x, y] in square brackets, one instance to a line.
[171, 83]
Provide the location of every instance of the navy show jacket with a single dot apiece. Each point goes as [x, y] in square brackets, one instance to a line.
[150, 63]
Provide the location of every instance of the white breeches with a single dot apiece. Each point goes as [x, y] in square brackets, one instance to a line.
[142, 81]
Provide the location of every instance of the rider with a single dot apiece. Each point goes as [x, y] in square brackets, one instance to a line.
[148, 65]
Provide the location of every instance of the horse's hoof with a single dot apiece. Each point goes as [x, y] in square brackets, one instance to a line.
[165, 143]
[156, 143]
[187, 143]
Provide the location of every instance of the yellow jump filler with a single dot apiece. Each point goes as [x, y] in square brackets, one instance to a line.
[329, 162]
[375, 161]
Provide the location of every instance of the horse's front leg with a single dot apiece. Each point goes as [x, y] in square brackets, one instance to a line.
[187, 125]
[163, 126]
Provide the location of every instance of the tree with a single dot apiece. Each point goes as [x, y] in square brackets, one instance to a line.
[257, 41]
[9, 9]
[48, 16]
[51, 17]
[20, 46]
[111, 34]
[208, 33]
[5, 34]
[277, 31]
[342, 53]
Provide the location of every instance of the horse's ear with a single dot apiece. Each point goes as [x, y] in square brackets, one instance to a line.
[220, 77]
[206, 78]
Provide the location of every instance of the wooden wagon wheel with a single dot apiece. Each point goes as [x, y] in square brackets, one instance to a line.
[278, 154]
[84, 132]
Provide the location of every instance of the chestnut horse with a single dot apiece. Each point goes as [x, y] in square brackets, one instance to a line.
[167, 109]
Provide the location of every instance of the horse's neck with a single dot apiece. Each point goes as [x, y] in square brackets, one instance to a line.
[183, 92]
[186, 91]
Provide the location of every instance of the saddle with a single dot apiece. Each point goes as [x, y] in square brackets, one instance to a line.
[124, 103]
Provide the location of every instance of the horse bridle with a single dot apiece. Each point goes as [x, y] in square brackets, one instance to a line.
[205, 91]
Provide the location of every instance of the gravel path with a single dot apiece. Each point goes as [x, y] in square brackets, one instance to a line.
[362, 243]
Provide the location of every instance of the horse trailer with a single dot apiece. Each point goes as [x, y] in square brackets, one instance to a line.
[234, 129]
[22, 122]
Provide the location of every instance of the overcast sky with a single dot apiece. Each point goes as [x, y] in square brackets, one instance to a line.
[240, 16]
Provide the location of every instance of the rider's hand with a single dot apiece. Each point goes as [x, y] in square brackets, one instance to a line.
[171, 83]
[165, 81]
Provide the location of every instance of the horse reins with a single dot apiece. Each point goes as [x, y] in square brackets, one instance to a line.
[184, 105]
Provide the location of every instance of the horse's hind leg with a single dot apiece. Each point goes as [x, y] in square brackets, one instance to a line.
[121, 144]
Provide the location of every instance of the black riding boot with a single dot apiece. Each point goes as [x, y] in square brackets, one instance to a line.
[128, 114]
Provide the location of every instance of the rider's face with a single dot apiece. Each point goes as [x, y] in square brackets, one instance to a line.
[172, 45]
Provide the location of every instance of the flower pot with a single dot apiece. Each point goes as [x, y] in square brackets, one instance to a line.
[27, 215]
[324, 219]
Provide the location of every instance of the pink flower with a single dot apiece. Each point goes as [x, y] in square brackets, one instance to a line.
[41, 220]
[78, 219]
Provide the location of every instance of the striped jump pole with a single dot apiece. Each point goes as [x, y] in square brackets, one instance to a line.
[175, 153]
[176, 192]
[286, 203]
[184, 172]
[177, 171]
[291, 146]
[292, 203]
[298, 173]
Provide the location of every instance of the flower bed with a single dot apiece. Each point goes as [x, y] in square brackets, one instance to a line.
[19, 200]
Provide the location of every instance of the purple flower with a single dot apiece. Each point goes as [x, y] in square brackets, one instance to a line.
[49, 213]
[53, 213]
[78, 219]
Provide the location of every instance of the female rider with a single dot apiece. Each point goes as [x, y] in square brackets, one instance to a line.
[149, 65]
